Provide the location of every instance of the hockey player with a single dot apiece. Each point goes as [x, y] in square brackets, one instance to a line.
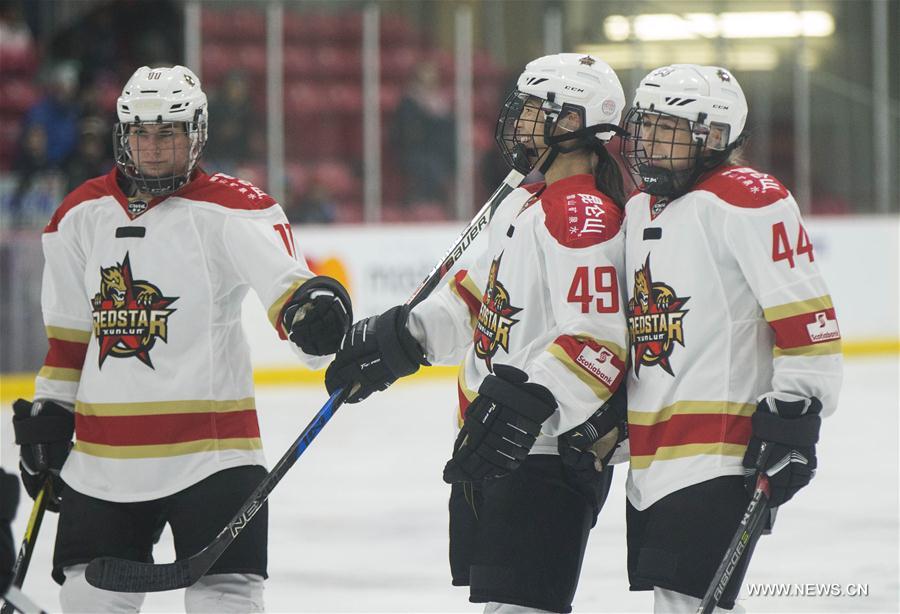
[146, 269]
[539, 327]
[736, 348]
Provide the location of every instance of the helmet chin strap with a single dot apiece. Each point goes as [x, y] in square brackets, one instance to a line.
[670, 184]
[562, 143]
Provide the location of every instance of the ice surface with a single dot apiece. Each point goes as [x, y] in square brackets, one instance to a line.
[360, 523]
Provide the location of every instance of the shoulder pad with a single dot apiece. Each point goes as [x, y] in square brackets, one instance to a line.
[744, 187]
[229, 192]
[581, 219]
[89, 190]
[533, 188]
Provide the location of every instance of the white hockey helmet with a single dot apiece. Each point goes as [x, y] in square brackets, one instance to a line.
[714, 108]
[559, 84]
[161, 95]
[709, 95]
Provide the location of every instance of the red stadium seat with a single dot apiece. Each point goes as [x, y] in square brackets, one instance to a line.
[337, 178]
[18, 59]
[251, 57]
[248, 24]
[215, 24]
[397, 63]
[297, 26]
[397, 30]
[390, 97]
[299, 178]
[299, 61]
[217, 61]
[345, 97]
[17, 95]
[350, 212]
[303, 98]
[338, 62]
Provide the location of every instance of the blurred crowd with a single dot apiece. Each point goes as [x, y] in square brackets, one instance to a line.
[59, 88]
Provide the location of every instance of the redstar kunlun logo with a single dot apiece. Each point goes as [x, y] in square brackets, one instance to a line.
[655, 318]
[129, 314]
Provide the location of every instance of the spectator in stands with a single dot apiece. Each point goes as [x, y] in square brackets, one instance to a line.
[92, 157]
[317, 206]
[56, 113]
[14, 32]
[32, 161]
[231, 111]
[423, 136]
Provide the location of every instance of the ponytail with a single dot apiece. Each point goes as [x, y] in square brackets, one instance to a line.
[607, 176]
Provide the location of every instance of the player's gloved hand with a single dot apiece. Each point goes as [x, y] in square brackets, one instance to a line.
[375, 353]
[44, 431]
[317, 316]
[586, 449]
[501, 426]
[783, 444]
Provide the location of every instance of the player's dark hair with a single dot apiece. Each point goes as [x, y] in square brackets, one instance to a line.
[607, 176]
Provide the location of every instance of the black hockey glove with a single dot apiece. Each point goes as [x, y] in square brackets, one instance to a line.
[375, 353]
[44, 433]
[317, 316]
[783, 444]
[501, 426]
[586, 449]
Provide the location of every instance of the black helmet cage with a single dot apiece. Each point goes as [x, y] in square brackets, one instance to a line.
[516, 136]
[707, 148]
[128, 159]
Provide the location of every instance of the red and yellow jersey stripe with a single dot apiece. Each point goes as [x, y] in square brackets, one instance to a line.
[600, 365]
[805, 328]
[689, 428]
[160, 429]
[65, 357]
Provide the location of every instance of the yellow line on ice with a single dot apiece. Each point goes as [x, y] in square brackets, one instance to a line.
[16, 385]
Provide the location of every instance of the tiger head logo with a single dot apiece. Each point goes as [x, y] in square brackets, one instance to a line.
[642, 286]
[112, 285]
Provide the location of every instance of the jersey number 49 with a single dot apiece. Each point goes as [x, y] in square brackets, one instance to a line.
[605, 288]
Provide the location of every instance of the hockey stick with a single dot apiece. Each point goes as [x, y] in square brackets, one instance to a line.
[17, 600]
[115, 574]
[27, 547]
[741, 545]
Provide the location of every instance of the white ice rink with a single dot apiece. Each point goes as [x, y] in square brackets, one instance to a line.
[360, 523]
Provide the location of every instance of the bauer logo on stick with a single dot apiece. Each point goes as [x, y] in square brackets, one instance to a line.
[129, 315]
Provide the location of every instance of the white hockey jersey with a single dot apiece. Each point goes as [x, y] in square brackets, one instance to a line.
[544, 296]
[142, 307]
[725, 304]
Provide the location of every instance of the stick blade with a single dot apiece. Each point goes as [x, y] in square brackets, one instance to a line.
[124, 576]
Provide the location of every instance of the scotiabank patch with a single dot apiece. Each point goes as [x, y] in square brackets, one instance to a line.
[129, 314]
[655, 318]
[823, 329]
[600, 364]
